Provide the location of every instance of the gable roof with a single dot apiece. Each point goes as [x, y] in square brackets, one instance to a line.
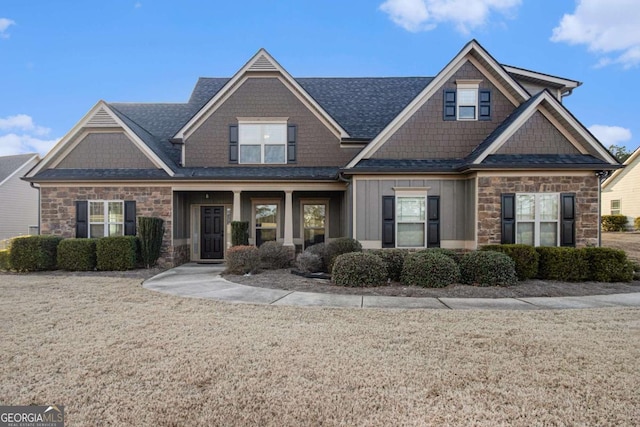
[10, 165]
[632, 162]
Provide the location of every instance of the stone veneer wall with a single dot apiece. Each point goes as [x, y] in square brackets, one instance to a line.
[58, 211]
[490, 190]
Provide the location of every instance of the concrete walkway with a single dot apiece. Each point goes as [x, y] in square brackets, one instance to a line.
[204, 281]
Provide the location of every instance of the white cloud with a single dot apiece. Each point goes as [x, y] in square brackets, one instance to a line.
[606, 27]
[610, 135]
[138, 5]
[425, 15]
[5, 23]
[19, 134]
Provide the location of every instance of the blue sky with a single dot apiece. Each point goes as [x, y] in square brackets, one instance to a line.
[58, 58]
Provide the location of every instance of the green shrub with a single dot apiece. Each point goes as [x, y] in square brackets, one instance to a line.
[5, 265]
[34, 253]
[77, 254]
[636, 223]
[242, 259]
[608, 265]
[454, 255]
[319, 249]
[151, 233]
[273, 255]
[635, 266]
[526, 258]
[359, 269]
[343, 245]
[116, 253]
[308, 262]
[239, 233]
[394, 261]
[488, 268]
[564, 264]
[614, 222]
[429, 269]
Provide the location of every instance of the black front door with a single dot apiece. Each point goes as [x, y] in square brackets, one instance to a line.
[212, 231]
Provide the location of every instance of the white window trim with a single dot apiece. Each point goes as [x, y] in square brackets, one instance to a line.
[413, 193]
[254, 202]
[105, 212]
[324, 202]
[619, 208]
[258, 121]
[467, 85]
[537, 220]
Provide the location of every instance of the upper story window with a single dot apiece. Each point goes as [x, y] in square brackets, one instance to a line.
[262, 143]
[468, 102]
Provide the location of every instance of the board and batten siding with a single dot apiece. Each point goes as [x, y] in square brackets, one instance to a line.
[19, 209]
[457, 208]
[626, 188]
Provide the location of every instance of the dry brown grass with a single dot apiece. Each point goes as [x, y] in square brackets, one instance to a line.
[117, 354]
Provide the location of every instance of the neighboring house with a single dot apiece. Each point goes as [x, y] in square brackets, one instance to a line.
[19, 201]
[481, 153]
[621, 191]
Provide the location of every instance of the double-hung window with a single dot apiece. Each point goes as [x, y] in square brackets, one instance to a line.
[537, 219]
[314, 222]
[266, 221]
[262, 143]
[410, 221]
[106, 218]
[615, 207]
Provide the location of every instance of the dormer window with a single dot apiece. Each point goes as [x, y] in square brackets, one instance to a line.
[262, 143]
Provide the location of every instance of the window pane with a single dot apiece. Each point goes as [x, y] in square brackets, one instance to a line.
[548, 207]
[410, 235]
[116, 230]
[249, 154]
[467, 96]
[314, 216]
[410, 209]
[274, 154]
[525, 207]
[466, 112]
[96, 230]
[266, 216]
[275, 134]
[96, 212]
[313, 236]
[265, 235]
[116, 212]
[548, 234]
[524, 233]
[249, 134]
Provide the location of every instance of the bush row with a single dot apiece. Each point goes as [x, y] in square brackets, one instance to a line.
[42, 253]
[614, 222]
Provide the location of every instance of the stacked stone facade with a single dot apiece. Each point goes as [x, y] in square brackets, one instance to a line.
[490, 190]
[58, 210]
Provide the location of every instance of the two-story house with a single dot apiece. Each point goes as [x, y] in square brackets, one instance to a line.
[481, 153]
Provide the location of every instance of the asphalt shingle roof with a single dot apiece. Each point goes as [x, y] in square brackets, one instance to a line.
[262, 172]
[79, 174]
[9, 164]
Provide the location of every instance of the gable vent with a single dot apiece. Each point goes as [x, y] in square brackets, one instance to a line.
[262, 63]
[102, 119]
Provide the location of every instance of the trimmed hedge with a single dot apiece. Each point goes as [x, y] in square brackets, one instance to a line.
[563, 264]
[5, 265]
[77, 254]
[308, 262]
[636, 223]
[343, 245]
[239, 233]
[526, 258]
[454, 255]
[116, 253]
[429, 269]
[394, 261]
[608, 265]
[273, 255]
[34, 253]
[488, 268]
[319, 249]
[614, 222]
[242, 259]
[359, 269]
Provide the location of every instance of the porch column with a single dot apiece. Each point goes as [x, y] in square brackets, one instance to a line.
[236, 206]
[288, 218]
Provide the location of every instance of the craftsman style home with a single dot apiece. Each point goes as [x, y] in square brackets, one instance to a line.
[481, 153]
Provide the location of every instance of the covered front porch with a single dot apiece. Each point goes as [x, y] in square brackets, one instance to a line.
[297, 215]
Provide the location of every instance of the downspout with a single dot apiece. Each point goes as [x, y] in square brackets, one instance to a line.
[348, 212]
[602, 175]
[39, 205]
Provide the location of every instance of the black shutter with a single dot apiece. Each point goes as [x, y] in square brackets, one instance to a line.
[567, 219]
[449, 105]
[233, 143]
[292, 134]
[508, 219]
[484, 102]
[388, 222]
[433, 221]
[130, 218]
[82, 221]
